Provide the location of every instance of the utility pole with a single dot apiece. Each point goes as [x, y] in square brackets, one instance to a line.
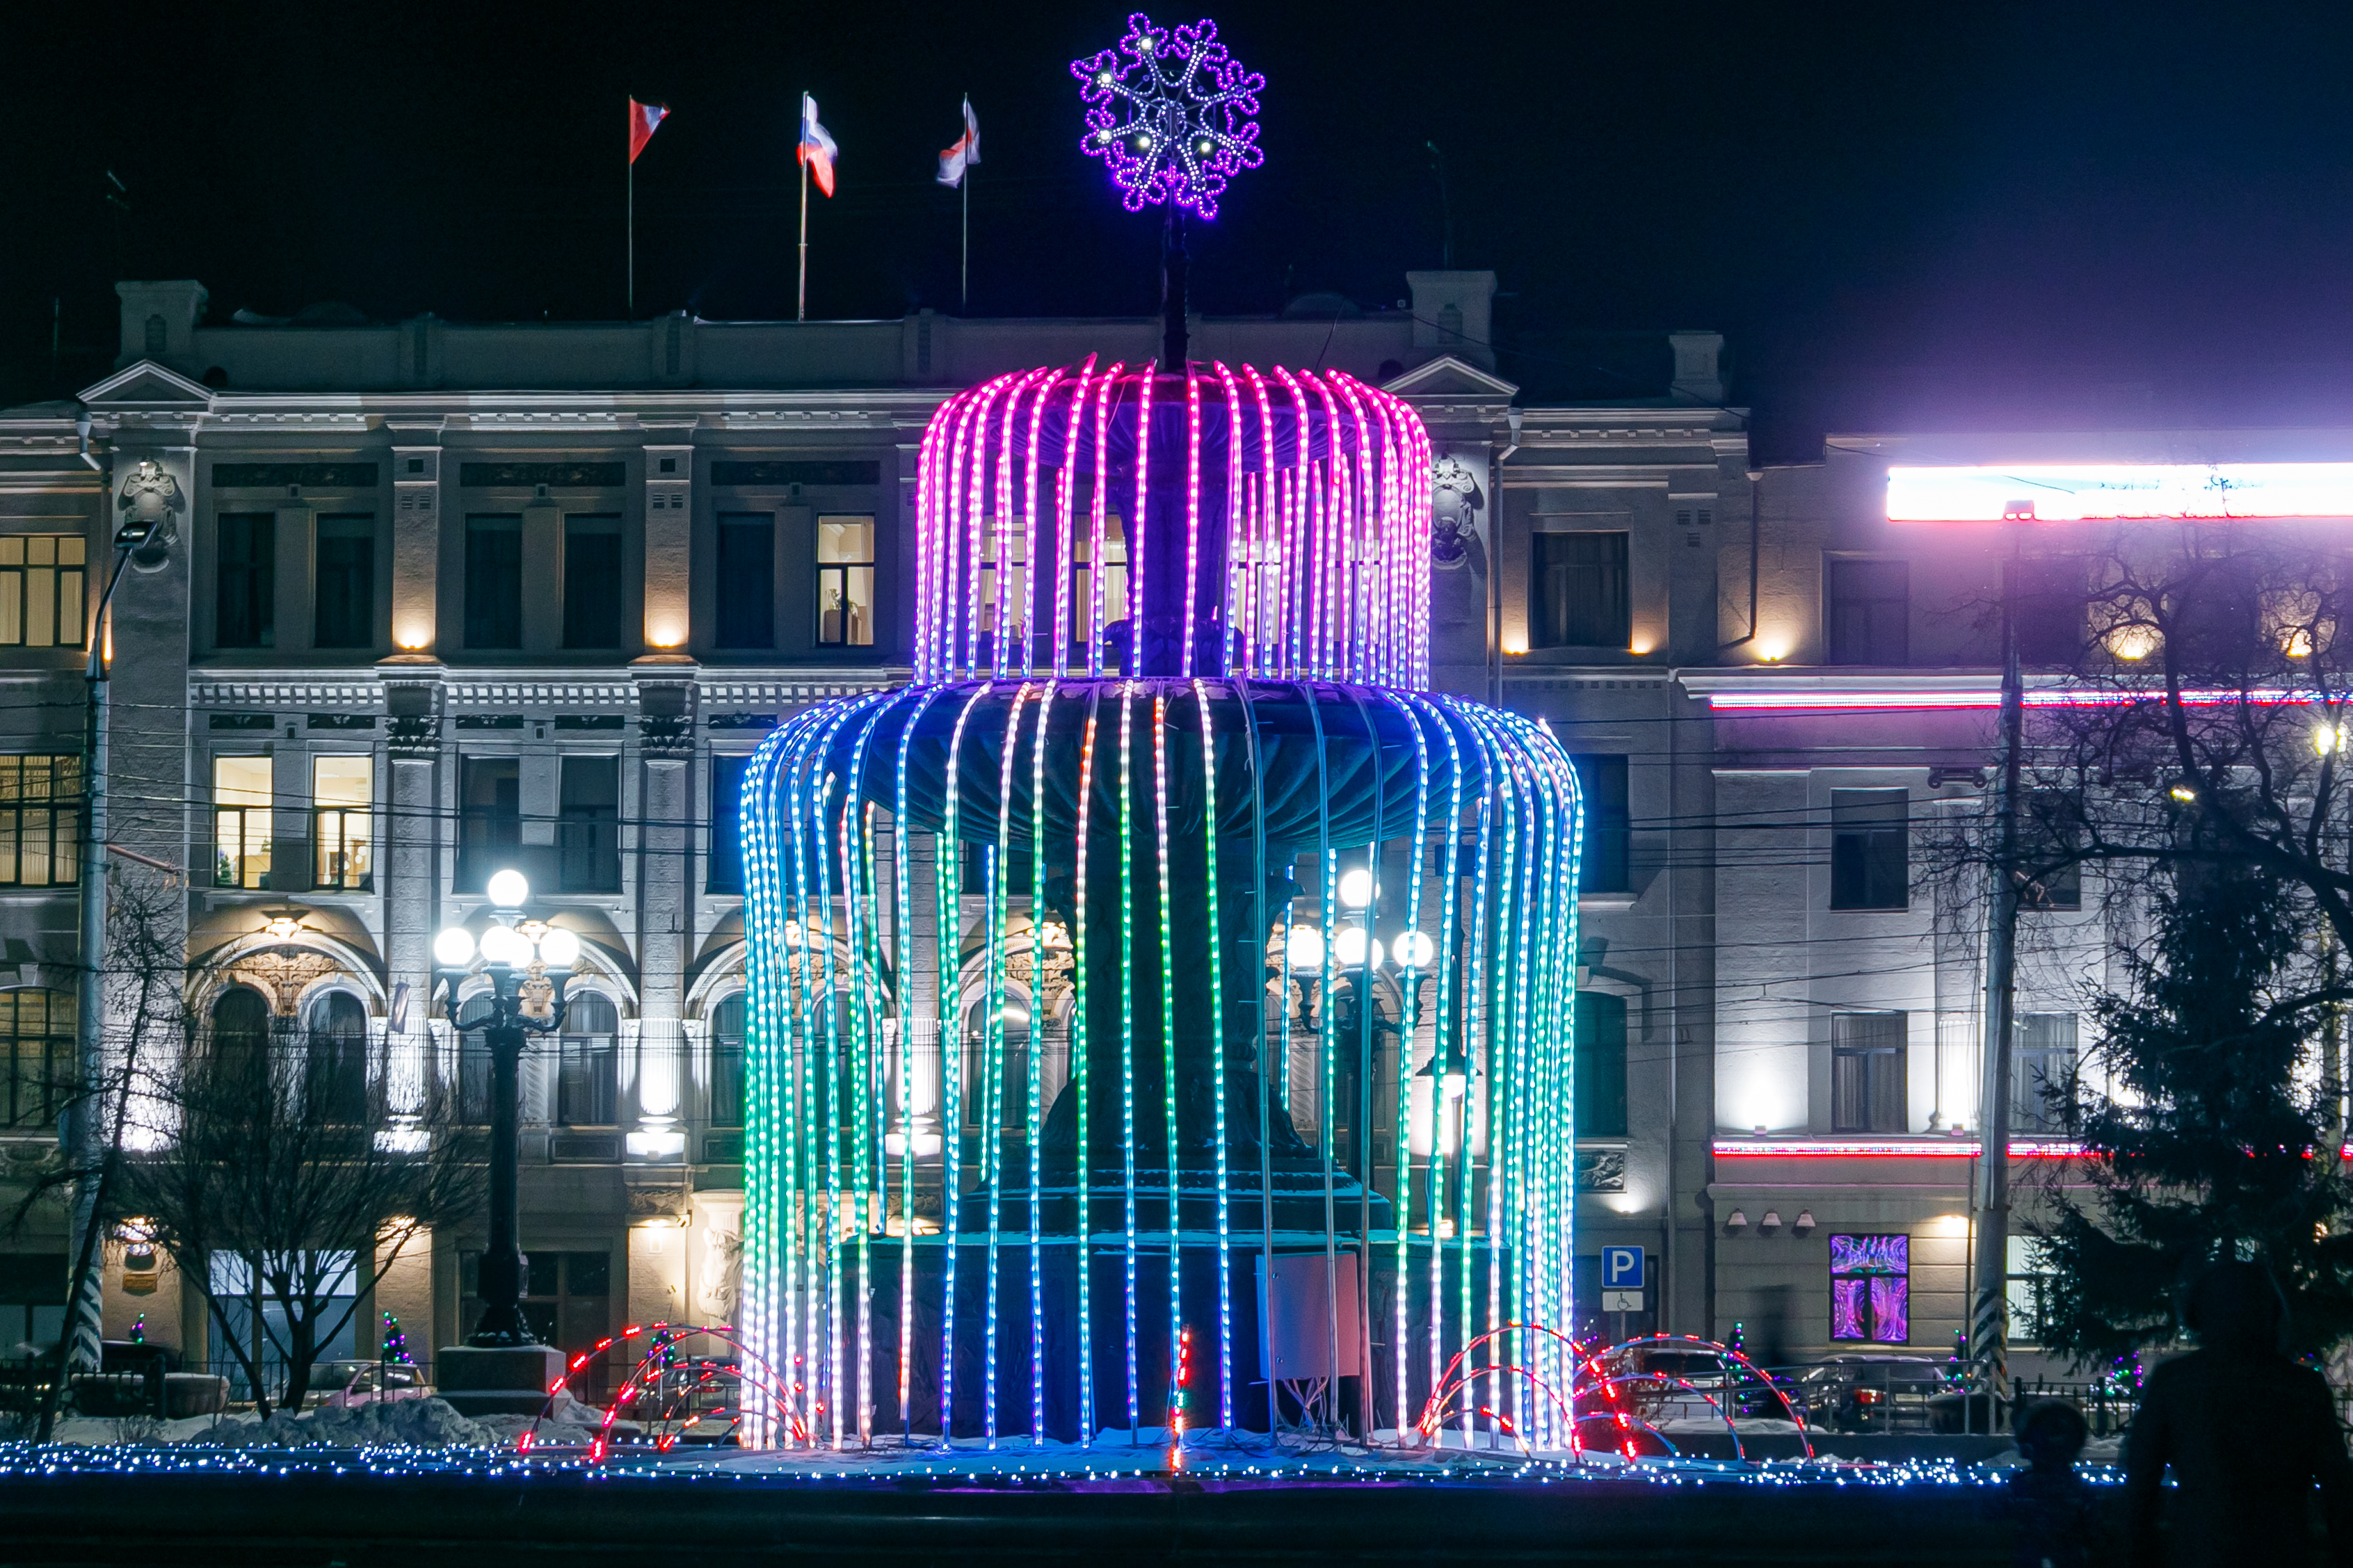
[1989, 1305]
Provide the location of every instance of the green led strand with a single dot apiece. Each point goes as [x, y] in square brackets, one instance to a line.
[1327, 873]
[1475, 1027]
[1167, 1025]
[950, 941]
[903, 931]
[995, 900]
[1447, 959]
[761, 1166]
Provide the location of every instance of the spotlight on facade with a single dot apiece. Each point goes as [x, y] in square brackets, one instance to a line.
[508, 888]
[283, 925]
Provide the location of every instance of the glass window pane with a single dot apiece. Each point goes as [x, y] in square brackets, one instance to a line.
[592, 581]
[747, 581]
[40, 606]
[34, 853]
[241, 781]
[345, 581]
[12, 550]
[12, 607]
[342, 781]
[846, 540]
[41, 550]
[70, 547]
[494, 581]
[1580, 591]
[71, 611]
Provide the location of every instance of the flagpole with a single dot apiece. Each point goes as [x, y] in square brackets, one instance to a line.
[964, 285]
[633, 232]
[802, 312]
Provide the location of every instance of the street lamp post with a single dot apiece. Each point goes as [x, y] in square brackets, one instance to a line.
[527, 963]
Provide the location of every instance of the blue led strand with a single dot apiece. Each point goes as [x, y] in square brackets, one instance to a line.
[1168, 1029]
[1480, 975]
[993, 897]
[903, 931]
[1327, 873]
[1408, 1027]
[1447, 958]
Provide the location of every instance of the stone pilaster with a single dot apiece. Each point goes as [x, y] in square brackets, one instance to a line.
[665, 872]
[415, 544]
[669, 536]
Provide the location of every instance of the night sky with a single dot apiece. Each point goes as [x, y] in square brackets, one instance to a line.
[1903, 216]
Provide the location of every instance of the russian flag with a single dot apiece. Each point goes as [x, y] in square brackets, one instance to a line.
[817, 148]
[644, 118]
[955, 160]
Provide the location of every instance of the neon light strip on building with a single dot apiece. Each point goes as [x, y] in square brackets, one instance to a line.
[2120, 492]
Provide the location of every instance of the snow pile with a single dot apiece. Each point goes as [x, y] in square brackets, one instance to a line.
[417, 1423]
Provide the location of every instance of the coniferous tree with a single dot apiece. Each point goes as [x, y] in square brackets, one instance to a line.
[2219, 1139]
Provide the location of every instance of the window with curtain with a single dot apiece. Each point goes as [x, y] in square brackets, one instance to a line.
[37, 1034]
[40, 821]
[1600, 1065]
[334, 1067]
[1867, 1057]
[727, 1062]
[747, 581]
[588, 825]
[42, 576]
[494, 581]
[241, 830]
[1871, 1288]
[588, 1065]
[245, 580]
[240, 1040]
[2041, 1072]
[1580, 591]
[1870, 608]
[592, 581]
[345, 580]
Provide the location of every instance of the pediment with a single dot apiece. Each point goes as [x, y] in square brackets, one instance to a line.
[147, 384]
[1447, 376]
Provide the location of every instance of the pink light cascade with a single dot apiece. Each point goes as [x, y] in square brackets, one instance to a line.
[1316, 486]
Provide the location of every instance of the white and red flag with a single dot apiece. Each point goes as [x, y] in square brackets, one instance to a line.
[817, 148]
[955, 160]
[644, 119]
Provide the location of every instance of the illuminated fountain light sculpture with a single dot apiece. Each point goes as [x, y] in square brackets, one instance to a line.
[1165, 937]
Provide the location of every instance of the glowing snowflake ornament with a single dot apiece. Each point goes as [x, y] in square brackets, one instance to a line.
[1174, 119]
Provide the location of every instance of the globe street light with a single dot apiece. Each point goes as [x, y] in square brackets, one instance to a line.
[526, 962]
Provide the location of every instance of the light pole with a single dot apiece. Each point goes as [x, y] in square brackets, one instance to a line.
[527, 963]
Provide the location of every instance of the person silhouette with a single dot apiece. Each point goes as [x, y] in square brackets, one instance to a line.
[2246, 1431]
[2055, 1511]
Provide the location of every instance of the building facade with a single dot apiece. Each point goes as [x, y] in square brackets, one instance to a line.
[443, 598]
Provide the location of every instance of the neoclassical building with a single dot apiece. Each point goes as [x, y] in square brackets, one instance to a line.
[441, 598]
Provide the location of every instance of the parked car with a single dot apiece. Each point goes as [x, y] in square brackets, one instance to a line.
[1872, 1392]
[358, 1383]
[1719, 1386]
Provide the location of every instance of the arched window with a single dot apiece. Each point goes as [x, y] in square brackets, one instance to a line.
[36, 1056]
[334, 1068]
[1015, 1067]
[588, 1072]
[727, 1062]
[240, 1044]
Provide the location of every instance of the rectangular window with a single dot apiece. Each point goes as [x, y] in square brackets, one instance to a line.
[2050, 830]
[1869, 852]
[845, 582]
[494, 581]
[2050, 610]
[592, 581]
[41, 578]
[726, 873]
[1867, 1052]
[587, 1075]
[1871, 1288]
[1600, 1065]
[345, 576]
[40, 821]
[2041, 1072]
[1114, 575]
[1579, 590]
[343, 838]
[241, 799]
[747, 579]
[727, 1063]
[490, 819]
[1869, 605]
[36, 1056]
[1602, 865]
[588, 829]
[2029, 1277]
[244, 581]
